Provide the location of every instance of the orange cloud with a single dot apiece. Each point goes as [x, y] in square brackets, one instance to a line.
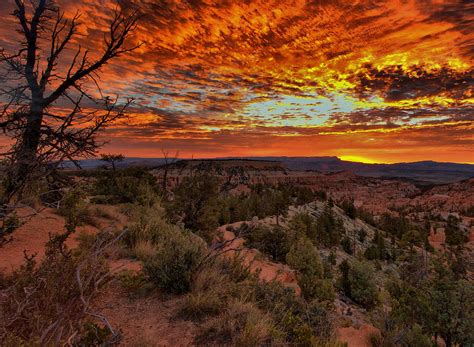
[383, 80]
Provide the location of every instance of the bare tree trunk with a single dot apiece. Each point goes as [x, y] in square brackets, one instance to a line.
[31, 137]
[165, 180]
[26, 157]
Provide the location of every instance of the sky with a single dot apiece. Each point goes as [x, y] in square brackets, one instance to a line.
[372, 81]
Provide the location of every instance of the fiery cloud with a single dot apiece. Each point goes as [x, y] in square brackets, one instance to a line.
[382, 80]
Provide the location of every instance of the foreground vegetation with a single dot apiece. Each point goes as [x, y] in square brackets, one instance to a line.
[412, 295]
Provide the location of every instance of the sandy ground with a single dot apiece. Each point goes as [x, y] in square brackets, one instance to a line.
[31, 237]
[356, 337]
[147, 321]
[34, 233]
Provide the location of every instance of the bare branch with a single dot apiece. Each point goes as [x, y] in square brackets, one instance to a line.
[41, 130]
[120, 30]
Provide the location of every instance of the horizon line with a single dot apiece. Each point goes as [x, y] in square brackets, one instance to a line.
[368, 162]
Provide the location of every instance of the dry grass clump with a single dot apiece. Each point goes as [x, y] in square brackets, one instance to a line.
[209, 294]
[298, 321]
[241, 324]
[148, 224]
[238, 309]
[101, 212]
[135, 283]
[218, 281]
[143, 250]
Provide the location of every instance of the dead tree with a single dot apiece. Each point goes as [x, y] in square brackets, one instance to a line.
[36, 86]
[169, 161]
[113, 160]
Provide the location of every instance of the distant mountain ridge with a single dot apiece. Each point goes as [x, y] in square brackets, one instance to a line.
[425, 171]
[422, 171]
[129, 161]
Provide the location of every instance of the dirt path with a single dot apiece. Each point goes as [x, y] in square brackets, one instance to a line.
[147, 321]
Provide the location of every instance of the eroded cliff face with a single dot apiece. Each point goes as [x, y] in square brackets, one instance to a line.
[454, 197]
[378, 196]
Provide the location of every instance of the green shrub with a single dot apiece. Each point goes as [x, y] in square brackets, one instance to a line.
[10, 224]
[312, 326]
[349, 208]
[178, 256]
[313, 288]
[263, 200]
[304, 258]
[361, 235]
[439, 302]
[332, 259]
[455, 235]
[378, 249]
[358, 282]
[416, 337]
[235, 268]
[392, 335]
[136, 284]
[299, 322]
[395, 225]
[329, 228]
[92, 334]
[372, 253]
[149, 226]
[275, 298]
[303, 224]
[297, 330]
[195, 203]
[413, 237]
[75, 209]
[320, 320]
[328, 268]
[143, 250]
[131, 185]
[347, 245]
[271, 241]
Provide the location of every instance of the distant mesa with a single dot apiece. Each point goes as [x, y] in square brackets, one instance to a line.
[423, 172]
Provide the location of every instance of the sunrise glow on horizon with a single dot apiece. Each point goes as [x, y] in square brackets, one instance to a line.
[367, 81]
